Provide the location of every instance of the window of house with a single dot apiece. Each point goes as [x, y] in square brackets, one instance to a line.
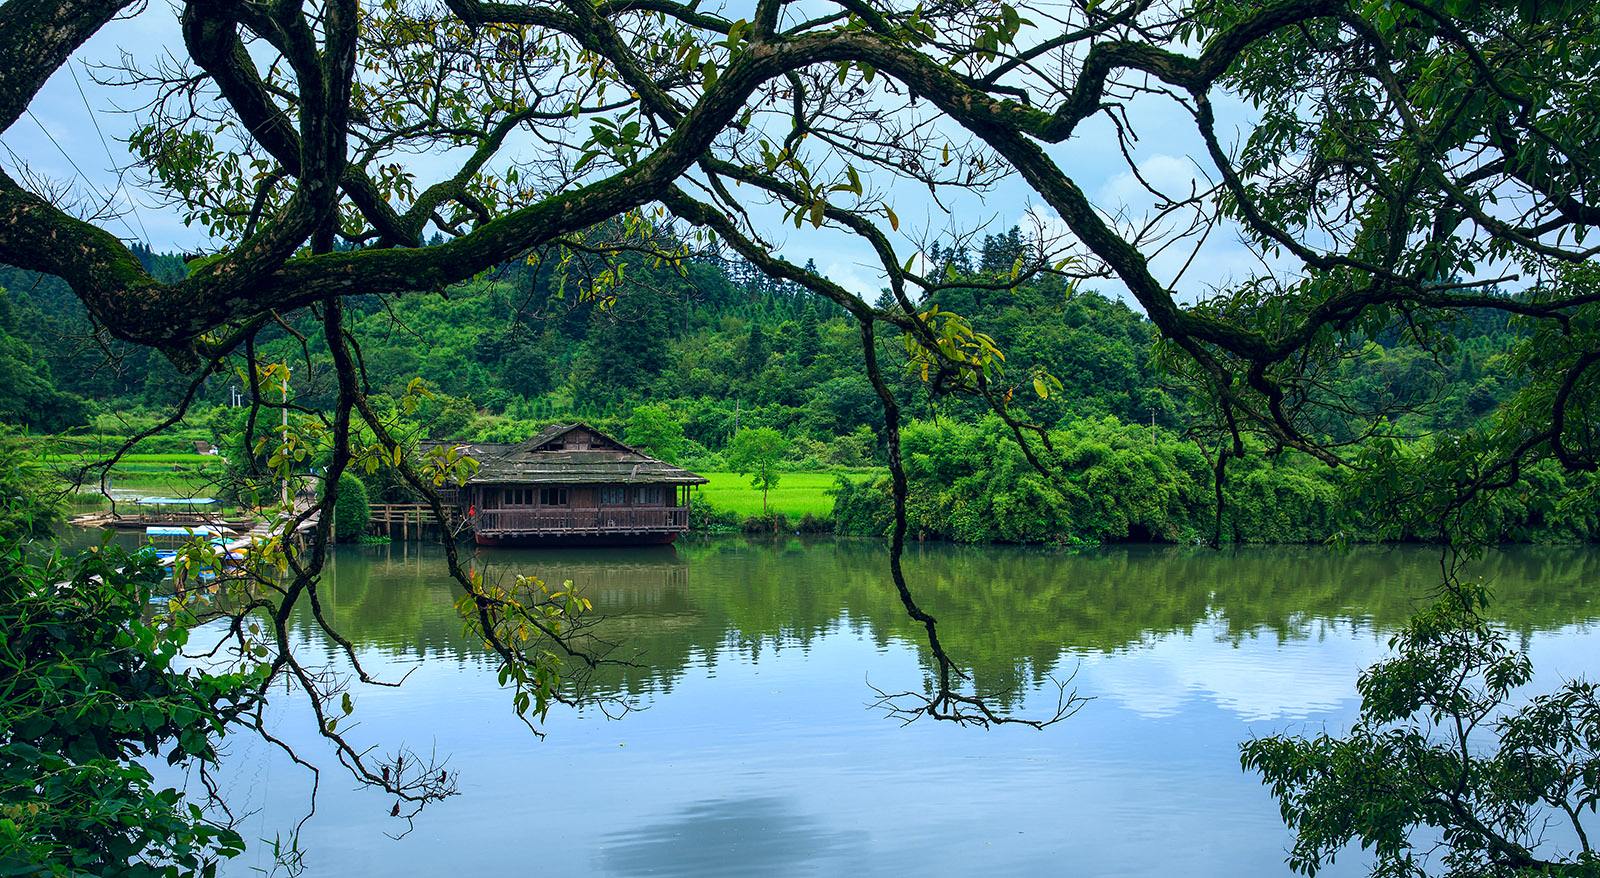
[517, 497]
[649, 495]
[613, 495]
[552, 496]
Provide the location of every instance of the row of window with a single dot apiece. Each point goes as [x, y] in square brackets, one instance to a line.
[648, 495]
[616, 495]
[526, 496]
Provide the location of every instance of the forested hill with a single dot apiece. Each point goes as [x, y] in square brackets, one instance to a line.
[720, 348]
[725, 346]
[55, 374]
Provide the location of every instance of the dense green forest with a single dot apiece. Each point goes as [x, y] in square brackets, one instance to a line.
[718, 347]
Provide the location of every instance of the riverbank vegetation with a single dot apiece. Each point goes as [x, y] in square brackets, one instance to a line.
[94, 690]
[1131, 483]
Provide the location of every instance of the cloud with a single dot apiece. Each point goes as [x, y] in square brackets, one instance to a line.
[1172, 176]
[1251, 675]
[853, 277]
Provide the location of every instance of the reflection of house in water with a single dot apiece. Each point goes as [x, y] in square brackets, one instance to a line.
[651, 580]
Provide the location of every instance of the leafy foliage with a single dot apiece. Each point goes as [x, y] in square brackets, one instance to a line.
[92, 688]
[655, 430]
[1443, 746]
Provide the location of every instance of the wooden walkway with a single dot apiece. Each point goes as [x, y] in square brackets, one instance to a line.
[409, 520]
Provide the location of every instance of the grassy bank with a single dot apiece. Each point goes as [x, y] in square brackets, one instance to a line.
[797, 494]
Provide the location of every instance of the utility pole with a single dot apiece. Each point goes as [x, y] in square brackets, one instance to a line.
[288, 471]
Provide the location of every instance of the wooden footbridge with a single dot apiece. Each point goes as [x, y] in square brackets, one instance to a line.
[409, 521]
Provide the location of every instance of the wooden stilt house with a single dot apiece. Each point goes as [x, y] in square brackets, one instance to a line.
[573, 485]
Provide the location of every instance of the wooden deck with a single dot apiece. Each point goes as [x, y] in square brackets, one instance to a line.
[645, 524]
[142, 520]
[603, 521]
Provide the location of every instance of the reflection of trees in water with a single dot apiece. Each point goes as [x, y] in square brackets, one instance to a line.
[1009, 613]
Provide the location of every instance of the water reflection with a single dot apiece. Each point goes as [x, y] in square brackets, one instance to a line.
[1018, 617]
[763, 835]
[1254, 679]
[757, 753]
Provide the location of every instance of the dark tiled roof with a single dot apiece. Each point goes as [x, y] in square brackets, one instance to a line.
[479, 451]
[525, 464]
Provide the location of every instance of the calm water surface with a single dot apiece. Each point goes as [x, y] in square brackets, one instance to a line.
[756, 750]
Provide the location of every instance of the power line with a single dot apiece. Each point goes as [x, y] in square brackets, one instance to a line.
[81, 175]
[94, 120]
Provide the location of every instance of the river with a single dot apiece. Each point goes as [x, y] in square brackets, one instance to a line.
[754, 748]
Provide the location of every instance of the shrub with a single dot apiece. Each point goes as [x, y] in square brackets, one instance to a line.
[351, 512]
[708, 519]
[863, 509]
[27, 505]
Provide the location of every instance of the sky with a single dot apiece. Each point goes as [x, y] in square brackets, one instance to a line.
[76, 130]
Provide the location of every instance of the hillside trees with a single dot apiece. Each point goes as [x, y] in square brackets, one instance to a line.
[1401, 162]
[1353, 278]
[656, 430]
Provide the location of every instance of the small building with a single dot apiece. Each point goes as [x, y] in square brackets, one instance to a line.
[573, 485]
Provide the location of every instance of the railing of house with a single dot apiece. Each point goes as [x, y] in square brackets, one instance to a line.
[620, 519]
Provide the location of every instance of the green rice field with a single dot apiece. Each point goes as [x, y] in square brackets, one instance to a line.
[133, 459]
[173, 475]
[796, 495]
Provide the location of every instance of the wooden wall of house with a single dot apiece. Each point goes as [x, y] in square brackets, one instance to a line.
[581, 439]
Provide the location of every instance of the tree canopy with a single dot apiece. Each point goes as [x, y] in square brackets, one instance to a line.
[756, 452]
